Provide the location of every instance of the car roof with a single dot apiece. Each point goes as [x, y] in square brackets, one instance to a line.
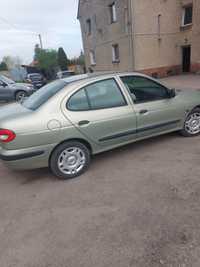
[102, 75]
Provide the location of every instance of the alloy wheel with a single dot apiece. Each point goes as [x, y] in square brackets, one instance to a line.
[71, 160]
[192, 124]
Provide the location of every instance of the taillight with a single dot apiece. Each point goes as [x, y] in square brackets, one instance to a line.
[6, 136]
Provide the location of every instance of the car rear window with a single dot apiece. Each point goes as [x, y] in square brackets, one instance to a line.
[44, 94]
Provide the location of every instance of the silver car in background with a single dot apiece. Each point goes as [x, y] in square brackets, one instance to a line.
[10, 90]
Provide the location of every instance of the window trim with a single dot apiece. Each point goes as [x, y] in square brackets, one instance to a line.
[183, 25]
[114, 59]
[88, 100]
[89, 26]
[92, 58]
[113, 12]
[140, 102]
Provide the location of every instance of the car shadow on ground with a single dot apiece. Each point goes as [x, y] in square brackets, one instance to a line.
[32, 176]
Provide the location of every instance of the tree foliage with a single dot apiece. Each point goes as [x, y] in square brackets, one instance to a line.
[3, 66]
[62, 59]
[80, 60]
[12, 62]
[47, 61]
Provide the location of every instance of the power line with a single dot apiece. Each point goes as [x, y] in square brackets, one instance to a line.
[13, 26]
[27, 32]
[8, 23]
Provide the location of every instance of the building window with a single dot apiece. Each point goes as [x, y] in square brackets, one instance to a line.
[113, 12]
[92, 58]
[187, 15]
[115, 53]
[89, 26]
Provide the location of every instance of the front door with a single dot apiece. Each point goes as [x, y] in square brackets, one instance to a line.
[186, 58]
[101, 112]
[4, 91]
[156, 111]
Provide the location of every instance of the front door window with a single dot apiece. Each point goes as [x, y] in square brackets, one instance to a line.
[144, 90]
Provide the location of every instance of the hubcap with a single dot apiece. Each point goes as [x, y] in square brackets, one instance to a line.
[71, 160]
[20, 97]
[192, 124]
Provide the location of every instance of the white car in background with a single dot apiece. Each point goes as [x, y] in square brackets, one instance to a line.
[64, 74]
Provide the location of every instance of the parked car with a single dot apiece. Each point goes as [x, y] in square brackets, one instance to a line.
[10, 90]
[64, 74]
[67, 121]
[36, 79]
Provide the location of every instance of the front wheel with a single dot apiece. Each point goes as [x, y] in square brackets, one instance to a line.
[69, 160]
[192, 124]
[20, 95]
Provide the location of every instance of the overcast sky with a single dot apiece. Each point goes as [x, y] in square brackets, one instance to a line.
[22, 20]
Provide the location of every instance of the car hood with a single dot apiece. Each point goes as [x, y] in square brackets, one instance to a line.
[190, 96]
[187, 92]
[20, 86]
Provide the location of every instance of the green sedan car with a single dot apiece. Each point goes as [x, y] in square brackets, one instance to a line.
[67, 121]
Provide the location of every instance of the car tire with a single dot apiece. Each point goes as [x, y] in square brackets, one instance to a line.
[70, 160]
[192, 124]
[20, 95]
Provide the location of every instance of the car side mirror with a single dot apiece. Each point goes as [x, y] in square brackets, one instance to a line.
[172, 93]
[2, 84]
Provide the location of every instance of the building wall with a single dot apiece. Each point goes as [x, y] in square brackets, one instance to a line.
[105, 34]
[142, 46]
[160, 52]
[196, 37]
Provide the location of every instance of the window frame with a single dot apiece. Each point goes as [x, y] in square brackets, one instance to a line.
[184, 13]
[113, 12]
[114, 58]
[92, 55]
[135, 101]
[88, 99]
[89, 26]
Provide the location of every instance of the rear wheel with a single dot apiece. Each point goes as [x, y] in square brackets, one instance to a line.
[20, 95]
[69, 160]
[192, 124]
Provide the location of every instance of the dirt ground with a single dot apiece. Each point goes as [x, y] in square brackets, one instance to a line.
[137, 206]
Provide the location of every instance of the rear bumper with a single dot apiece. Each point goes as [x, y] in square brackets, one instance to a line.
[29, 158]
[21, 156]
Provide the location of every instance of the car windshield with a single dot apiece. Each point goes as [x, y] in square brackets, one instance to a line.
[43, 95]
[6, 80]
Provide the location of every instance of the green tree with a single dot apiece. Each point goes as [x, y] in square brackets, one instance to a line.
[81, 59]
[3, 66]
[62, 59]
[47, 61]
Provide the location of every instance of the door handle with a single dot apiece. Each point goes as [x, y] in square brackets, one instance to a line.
[82, 123]
[143, 111]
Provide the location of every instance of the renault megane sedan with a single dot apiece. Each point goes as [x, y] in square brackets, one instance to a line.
[67, 121]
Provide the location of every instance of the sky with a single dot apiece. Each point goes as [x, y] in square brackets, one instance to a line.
[22, 20]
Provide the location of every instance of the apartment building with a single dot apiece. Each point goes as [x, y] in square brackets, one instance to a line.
[157, 37]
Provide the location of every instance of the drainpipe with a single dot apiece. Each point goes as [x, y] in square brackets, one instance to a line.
[131, 29]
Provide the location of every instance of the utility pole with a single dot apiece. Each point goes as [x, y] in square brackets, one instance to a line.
[40, 39]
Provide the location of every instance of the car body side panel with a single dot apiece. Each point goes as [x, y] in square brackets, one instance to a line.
[6, 93]
[161, 115]
[33, 131]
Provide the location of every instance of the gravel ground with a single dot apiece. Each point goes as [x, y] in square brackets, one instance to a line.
[137, 206]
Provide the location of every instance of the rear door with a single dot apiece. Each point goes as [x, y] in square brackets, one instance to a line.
[102, 113]
[156, 111]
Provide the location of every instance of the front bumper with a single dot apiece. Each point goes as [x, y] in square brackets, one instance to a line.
[29, 158]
